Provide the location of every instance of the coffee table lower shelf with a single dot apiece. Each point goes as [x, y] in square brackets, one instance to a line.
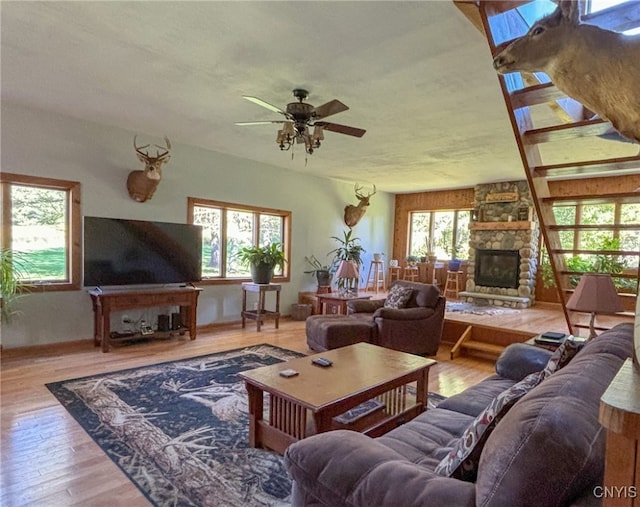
[287, 421]
[308, 404]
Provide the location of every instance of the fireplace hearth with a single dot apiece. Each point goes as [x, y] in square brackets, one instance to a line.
[497, 268]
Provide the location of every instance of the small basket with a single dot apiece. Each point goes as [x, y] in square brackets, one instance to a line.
[300, 312]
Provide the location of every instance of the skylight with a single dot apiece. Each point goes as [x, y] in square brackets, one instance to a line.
[600, 5]
[594, 6]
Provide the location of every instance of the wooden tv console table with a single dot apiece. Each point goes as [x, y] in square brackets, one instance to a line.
[107, 301]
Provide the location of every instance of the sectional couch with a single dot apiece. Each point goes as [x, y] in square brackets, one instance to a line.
[548, 450]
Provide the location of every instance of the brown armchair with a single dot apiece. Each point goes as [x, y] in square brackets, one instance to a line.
[416, 328]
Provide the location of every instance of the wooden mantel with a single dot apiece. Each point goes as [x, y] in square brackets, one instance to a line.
[620, 415]
[502, 226]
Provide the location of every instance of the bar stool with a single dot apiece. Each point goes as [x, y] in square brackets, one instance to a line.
[394, 274]
[451, 284]
[411, 273]
[375, 277]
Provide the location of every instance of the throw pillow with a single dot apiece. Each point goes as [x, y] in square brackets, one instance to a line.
[562, 355]
[398, 297]
[463, 460]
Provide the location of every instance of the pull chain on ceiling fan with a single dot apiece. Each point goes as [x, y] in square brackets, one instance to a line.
[300, 117]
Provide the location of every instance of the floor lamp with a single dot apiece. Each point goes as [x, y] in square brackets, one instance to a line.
[595, 293]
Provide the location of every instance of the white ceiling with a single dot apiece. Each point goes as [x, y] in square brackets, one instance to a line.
[416, 75]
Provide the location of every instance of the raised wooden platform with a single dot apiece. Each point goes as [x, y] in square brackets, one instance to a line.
[488, 335]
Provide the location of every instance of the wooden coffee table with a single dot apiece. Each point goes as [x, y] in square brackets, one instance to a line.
[307, 403]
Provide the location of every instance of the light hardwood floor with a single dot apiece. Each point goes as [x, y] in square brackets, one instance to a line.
[48, 460]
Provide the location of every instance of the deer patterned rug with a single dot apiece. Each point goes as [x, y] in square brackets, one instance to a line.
[459, 307]
[179, 430]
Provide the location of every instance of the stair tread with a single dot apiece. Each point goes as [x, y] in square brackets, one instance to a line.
[482, 346]
[589, 167]
[536, 94]
[566, 131]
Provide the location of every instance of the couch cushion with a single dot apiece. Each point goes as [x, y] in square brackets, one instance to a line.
[428, 437]
[520, 359]
[428, 296]
[398, 297]
[475, 399]
[462, 462]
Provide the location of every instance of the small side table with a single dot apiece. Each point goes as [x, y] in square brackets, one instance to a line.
[260, 314]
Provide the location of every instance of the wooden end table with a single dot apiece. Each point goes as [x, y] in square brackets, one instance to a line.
[260, 314]
[335, 303]
[307, 403]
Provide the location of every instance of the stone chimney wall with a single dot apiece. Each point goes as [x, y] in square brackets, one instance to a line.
[505, 220]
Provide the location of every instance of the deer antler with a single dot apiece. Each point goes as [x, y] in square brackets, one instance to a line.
[360, 196]
[140, 148]
[168, 148]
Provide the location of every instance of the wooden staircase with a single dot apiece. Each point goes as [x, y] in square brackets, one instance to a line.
[571, 181]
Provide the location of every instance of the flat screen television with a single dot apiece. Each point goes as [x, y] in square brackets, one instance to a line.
[136, 252]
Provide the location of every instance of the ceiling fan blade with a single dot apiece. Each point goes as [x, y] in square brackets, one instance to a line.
[264, 104]
[332, 107]
[341, 129]
[265, 122]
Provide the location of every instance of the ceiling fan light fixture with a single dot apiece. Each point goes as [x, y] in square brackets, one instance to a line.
[302, 115]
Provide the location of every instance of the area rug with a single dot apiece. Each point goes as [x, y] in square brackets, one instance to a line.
[460, 307]
[179, 430]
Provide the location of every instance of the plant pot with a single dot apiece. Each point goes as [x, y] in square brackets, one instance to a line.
[261, 273]
[323, 277]
[454, 265]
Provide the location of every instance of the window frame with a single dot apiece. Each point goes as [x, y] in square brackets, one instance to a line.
[223, 206]
[73, 246]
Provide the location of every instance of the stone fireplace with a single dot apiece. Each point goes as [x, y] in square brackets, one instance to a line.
[503, 246]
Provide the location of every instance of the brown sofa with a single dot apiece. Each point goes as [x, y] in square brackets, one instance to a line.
[548, 450]
[416, 328]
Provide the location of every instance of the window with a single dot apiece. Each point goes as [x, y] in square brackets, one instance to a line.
[228, 227]
[41, 222]
[445, 233]
[588, 230]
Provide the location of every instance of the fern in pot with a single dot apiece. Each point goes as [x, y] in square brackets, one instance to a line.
[12, 271]
[262, 260]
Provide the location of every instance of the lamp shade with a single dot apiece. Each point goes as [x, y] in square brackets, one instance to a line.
[347, 269]
[595, 293]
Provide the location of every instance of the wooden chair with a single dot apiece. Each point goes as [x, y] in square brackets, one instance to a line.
[411, 273]
[452, 284]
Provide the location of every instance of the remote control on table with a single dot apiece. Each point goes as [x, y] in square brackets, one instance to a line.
[321, 361]
[288, 373]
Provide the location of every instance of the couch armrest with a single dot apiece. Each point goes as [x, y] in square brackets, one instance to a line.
[520, 359]
[416, 313]
[341, 468]
[364, 305]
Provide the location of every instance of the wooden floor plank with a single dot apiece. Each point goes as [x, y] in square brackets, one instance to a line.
[46, 457]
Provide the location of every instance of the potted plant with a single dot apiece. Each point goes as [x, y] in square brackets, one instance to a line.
[412, 260]
[262, 260]
[12, 270]
[321, 271]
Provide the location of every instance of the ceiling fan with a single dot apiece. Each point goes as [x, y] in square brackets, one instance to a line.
[299, 117]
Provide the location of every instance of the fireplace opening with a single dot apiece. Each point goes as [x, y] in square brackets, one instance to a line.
[498, 268]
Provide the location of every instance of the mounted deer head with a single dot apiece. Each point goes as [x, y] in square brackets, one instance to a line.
[599, 68]
[142, 184]
[353, 214]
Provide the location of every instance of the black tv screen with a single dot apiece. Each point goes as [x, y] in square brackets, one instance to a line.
[136, 252]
